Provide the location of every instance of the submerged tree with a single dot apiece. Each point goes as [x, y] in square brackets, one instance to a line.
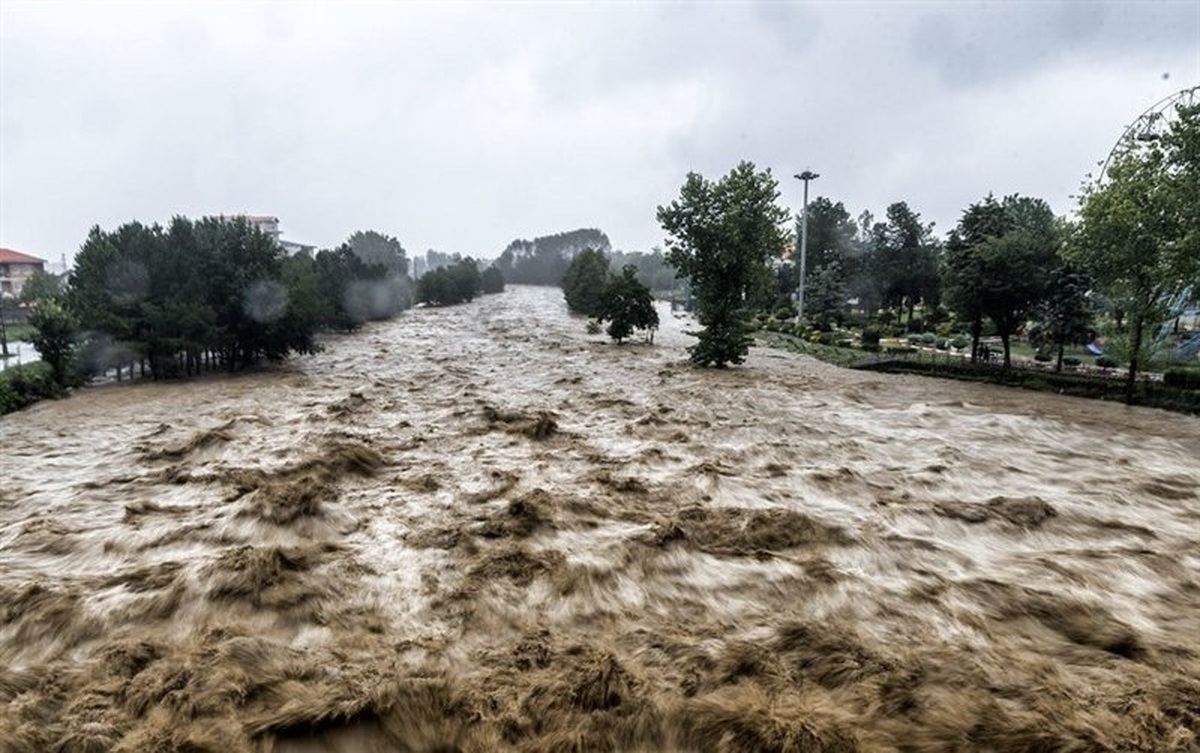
[626, 304]
[584, 281]
[720, 236]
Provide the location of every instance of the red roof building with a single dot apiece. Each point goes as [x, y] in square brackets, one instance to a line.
[15, 269]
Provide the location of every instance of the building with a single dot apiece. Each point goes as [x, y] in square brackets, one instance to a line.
[15, 269]
[269, 226]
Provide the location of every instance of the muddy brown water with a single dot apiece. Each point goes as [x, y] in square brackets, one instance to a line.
[479, 528]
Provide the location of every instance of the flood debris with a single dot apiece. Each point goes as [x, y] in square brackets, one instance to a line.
[736, 531]
[536, 425]
[1024, 512]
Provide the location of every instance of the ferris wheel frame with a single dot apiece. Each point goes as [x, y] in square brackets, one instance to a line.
[1146, 128]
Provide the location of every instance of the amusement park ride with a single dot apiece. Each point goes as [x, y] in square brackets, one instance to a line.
[1143, 133]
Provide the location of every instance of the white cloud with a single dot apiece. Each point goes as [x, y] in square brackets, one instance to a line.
[461, 126]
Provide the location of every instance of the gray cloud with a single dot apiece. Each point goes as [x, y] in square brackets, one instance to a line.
[462, 126]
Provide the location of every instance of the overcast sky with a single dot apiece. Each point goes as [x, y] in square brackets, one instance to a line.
[463, 126]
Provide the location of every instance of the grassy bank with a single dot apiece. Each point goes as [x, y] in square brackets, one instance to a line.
[1179, 396]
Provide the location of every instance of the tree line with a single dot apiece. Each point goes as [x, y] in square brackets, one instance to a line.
[1009, 266]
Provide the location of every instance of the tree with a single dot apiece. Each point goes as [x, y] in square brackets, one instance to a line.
[997, 264]
[446, 286]
[1065, 312]
[962, 266]
[41, 285]
[54, 333]
[1139, 229]
[492, 280]
[544, 260]
[720, 236]
[906, 261]
[825, 295]
[584, 281]
[627, 305]
[376, 248]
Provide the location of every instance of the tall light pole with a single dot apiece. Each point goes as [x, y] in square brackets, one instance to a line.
[805, 176]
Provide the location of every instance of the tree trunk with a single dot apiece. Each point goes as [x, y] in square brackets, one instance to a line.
[1004, 338]
[976, 332]
[1136, 354]
[1061, 347]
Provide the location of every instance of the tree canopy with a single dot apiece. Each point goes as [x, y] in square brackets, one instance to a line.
[626, 304]
[1139, 229]
[720, 236]
[583, 282]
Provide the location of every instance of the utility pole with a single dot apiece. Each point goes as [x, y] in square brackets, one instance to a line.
[805, 176]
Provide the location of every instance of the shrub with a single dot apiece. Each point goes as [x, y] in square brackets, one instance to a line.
[928, 338]
[914, 338]
[870, 336]
[593, 327]
[943, 344]
[1041, 357]
[959, 342]
[1184, 377]
[1105, 362]
[1071, 361]
[24, 385]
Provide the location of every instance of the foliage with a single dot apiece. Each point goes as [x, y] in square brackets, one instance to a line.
[377, 249]
[653, 271]
[54, 334]
[42, 285]
[626, 304]
[901, 259]
[720, 236]
[492, 280]
[208, 291]
[995, 264]
[1186, 377]
[544, 260]
[825, 295]
[446, 286]
[26, 384]
[1139, 230]
[1064, 315]
[584, 281]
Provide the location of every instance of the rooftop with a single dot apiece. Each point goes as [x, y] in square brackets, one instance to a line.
[8, 256]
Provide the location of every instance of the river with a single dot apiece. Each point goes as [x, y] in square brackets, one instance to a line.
[479, 528]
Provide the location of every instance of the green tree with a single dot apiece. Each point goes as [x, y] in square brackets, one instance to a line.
[962, 264]
[492, 280]
[1139, 230]
[905, 255]
[720, 236]
[41, 286]
[54, 333]
[998, 264]
[825, 295]
[584, 282]
[626, 304]
[1065, 313]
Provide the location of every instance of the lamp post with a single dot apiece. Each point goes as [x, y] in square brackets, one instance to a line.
[805, 176]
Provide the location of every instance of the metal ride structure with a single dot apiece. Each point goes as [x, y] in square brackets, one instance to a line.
[1144, 133]
[1150, 126]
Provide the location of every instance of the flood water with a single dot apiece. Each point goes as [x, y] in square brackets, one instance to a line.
[478, 528]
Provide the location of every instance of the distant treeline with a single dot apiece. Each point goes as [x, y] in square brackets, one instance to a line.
[458, 281]
[545, 260]
[218, 293]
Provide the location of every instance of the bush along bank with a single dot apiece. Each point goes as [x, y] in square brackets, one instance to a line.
[1179, 393]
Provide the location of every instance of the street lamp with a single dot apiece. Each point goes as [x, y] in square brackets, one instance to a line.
[805, 176]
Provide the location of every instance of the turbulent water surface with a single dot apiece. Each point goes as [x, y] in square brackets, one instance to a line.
[478, 528]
